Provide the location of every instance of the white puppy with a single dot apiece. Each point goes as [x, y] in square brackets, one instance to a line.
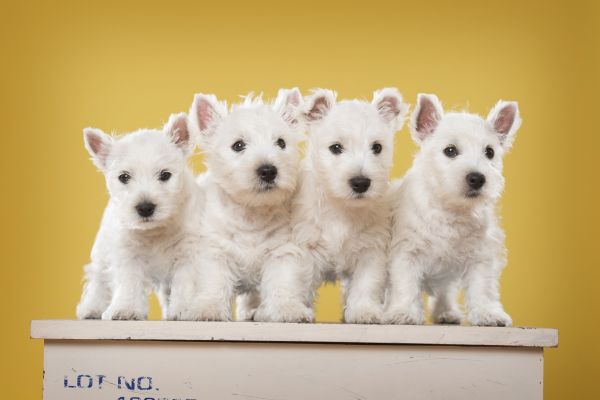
[146, 234]
[252, 160]
[341, 217]
[445, 231]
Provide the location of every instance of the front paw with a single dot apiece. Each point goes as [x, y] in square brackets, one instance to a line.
[404, 316]
[452, 317]
[85, 313]
[489, 317]
[364, 314]
[244, 314]
[123, 313]
[206, 311]
[287, 312]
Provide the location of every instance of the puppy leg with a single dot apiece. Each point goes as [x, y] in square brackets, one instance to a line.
[285, 290]
[130, 299]
[96, 295]
[184, 288]
[444, 305]
[246, 305]
[202, 290]
[163, 293]
[404, 304]
[363, 292]
[482, 297]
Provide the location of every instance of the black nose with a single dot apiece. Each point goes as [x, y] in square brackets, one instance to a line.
[475, 180]
[145, 209]
[267, 172]
[360, 184]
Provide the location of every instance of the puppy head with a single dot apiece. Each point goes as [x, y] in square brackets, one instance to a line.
[144, 170]
[461, 154]
[352, 142]
[252, 149]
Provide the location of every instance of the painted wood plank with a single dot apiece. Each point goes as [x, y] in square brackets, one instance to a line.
[291, 333]
[100, 370]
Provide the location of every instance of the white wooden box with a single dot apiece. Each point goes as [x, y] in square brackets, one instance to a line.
[160, 360]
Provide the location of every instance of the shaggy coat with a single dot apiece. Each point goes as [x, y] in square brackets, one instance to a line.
[148, 232]
[341, 216]
[445, 234]
[252, 158]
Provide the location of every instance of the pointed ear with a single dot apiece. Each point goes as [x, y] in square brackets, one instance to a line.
[389, 105]
[98, 144]
[505, 121]
[426, 116]
[318, 105]
[178, 132]
[288, 104]
[205, 115]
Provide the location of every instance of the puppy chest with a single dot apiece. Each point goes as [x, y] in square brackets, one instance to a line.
[340, 248]
[159, 264]
[335, 235]
[452, 251]
[156, 257]
[251, 250]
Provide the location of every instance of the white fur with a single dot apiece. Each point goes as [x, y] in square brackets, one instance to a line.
[345, 235]
[443, 239]
[132, 254]
[246, 222]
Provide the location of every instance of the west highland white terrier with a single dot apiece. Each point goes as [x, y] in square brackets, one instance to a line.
[148, 231]
[252, 158]
[341, 217]
[445, 232]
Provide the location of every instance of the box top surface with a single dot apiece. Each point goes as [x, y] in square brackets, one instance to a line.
[293, 333]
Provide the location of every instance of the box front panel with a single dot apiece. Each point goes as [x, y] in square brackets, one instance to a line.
[121, 370]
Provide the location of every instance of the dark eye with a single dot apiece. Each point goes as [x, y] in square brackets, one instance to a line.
[164, 176]
[451, 151]
[336, 148]
[376, 148]
[281, 143]
[238, 146]
[124, 178]
[489, 152]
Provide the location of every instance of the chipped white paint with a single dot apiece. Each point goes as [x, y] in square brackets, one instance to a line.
[93, 360]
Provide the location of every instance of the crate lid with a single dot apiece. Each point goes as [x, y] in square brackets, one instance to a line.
[293, 333]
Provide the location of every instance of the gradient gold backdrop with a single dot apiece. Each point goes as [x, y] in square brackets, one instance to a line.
[124, 65]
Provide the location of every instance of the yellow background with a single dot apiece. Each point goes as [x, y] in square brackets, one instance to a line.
[120, 66]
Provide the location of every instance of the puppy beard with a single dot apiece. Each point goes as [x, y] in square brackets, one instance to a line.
[141, 223]
[473, 193]
[485, 197]
[251, 191]
[263, 195]
[489, 193]
[161, 218]
[268, 194]
[344, 194]
[263, 187]
[464, 197]
[361, 201]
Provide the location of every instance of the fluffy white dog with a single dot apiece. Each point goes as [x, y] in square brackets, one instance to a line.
[147, 232]
[445, 231]
[341, 217]
[252, 160]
